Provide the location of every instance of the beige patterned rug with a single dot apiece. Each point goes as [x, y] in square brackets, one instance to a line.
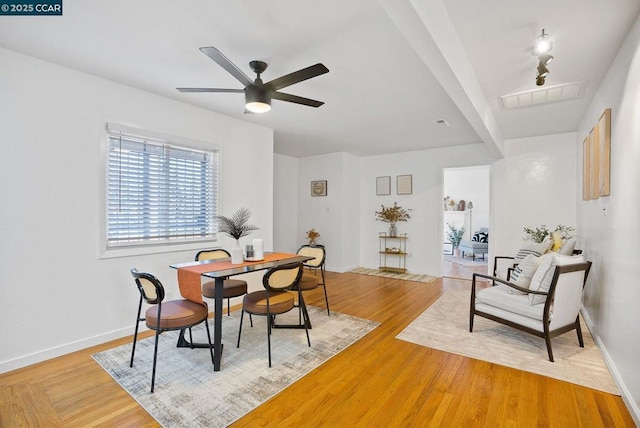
[445, 326]
[402, 276]
[188, 393]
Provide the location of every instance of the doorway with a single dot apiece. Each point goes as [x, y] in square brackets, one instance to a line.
[466, 211]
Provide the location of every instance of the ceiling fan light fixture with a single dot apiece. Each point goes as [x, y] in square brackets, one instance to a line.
[257, 99]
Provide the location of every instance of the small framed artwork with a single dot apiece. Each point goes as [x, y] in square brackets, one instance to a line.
[383, 185]
[604, 153]
[594, 163]
[404, 184]
[586, 169]
[319, 188]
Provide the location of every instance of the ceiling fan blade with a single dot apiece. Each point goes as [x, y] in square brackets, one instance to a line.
[297, 76]
[296, 99]
[225, 63]
[209, 90]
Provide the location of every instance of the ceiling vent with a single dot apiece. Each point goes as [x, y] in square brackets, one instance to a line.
[549, 94]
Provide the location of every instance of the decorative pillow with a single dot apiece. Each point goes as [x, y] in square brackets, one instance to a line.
[522, 274]
[541, 280]
[534, 248]
[568, 247]
[480, 237]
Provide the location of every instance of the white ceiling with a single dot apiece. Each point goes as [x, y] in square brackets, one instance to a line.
[386, 87]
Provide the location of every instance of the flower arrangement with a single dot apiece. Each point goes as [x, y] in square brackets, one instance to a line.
[454, 235]
[236, 226]
[312, 235]
[392, 214]
[540, 234]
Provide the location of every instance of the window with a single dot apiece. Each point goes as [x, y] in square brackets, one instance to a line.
[158, 192]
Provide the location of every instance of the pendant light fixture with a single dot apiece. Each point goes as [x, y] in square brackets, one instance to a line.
[541, 50]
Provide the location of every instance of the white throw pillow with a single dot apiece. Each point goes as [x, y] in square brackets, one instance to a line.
[568, 247]
[543, 277]
[534, 248]
[523, 273]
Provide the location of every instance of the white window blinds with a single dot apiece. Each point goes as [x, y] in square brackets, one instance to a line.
[158, 192]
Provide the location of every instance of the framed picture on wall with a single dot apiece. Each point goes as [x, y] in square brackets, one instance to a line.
[404, 184]
[383, 185]
[604, 153]
[319, 188]
[586, 169]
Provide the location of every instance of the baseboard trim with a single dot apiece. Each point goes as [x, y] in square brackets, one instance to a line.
[57, 351]
[624, 391]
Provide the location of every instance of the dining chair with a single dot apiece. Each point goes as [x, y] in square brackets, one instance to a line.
[164, 316]
[313, 276]
[232, 287]
[276, 298]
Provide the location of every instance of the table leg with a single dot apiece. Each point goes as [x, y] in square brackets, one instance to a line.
[217, 325]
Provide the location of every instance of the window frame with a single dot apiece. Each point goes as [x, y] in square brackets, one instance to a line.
[106, 251]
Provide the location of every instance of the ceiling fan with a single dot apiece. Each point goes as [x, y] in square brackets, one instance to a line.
[258, 95]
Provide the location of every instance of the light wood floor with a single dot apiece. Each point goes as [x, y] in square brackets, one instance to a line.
[379, 381]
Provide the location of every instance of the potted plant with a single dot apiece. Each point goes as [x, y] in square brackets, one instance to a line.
[392, 215]
[454, 235]
[236, 227]
[312, 235]
[540, 234]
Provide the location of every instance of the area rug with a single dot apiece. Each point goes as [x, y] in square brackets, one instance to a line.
[466, 261]
[402, 276]
[445, 326]
[188, 393]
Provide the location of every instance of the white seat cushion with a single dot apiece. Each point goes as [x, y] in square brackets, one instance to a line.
[499, 297]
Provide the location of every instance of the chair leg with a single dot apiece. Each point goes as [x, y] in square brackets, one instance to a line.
[326, 299]
[471, 322]
[135, 334]
[324, 286]
[579, 331]
[155, 358]
[547, 339]
[269, 321]
[240, 331]
[229, 307]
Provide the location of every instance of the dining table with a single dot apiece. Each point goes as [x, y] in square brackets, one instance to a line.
[189, 283]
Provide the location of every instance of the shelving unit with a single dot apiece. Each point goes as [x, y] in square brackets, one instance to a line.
[393, 249]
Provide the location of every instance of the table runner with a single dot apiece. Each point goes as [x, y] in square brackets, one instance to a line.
[189, 277]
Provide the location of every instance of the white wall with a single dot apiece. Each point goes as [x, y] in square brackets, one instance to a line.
[56, 294]
[533, 185]
[425, 228]
[611, 225]
[332, 215]
[285, 204]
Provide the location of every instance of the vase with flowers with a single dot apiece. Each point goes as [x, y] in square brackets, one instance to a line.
[392, 215]
[312, 235]
[236, 227]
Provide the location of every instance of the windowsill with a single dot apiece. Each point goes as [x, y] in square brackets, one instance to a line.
[146, 250]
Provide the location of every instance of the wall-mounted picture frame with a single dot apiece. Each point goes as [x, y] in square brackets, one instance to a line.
[319, 188]
[383, 185]
[604, 153]
[586, 169]
[594, 163]
[404, 184]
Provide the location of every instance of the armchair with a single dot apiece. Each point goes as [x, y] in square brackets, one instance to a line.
[548, 308]
[478, 245]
